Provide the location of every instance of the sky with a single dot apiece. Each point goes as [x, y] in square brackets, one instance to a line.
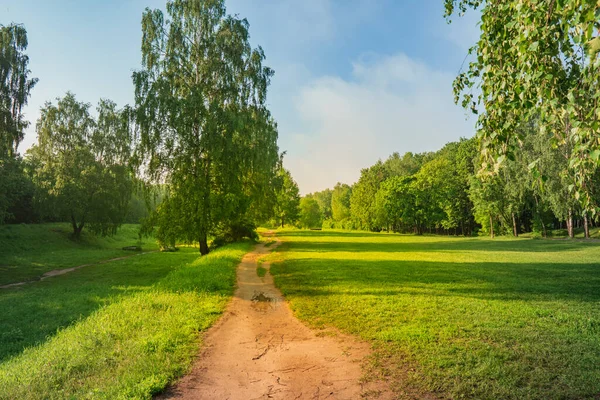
[355, 80]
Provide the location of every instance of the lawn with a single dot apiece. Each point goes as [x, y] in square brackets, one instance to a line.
[457, 317]
[28, 251]
[124, 329]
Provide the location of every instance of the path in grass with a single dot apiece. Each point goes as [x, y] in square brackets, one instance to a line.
[259, 350]
[64, 271]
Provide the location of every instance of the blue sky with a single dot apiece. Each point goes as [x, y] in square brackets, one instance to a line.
[355, 80]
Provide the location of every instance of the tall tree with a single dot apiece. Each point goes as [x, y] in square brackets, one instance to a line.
[81, 166]
[362, 201]
[537, 59]
[203, 126]
[15, 88]
[288, 198]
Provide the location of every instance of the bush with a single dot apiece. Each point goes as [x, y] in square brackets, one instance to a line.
[235, 232]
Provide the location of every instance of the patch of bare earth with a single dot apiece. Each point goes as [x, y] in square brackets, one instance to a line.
[259, 350]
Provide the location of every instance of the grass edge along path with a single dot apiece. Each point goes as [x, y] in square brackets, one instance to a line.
[468, 318]
[132, 348]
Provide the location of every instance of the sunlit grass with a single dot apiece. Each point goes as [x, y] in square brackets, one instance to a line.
[119, 330]
[460, 317]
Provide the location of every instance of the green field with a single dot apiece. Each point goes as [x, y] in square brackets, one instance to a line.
[28, 251]
[124, 329]
[457, 317]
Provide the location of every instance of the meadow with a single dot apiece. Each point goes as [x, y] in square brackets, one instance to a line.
[29, 251]
[455, 317]
[124, 329]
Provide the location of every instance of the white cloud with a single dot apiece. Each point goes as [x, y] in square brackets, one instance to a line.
[391, 104]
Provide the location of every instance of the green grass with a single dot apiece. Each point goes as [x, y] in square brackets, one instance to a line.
[460, 317]
[112, 331]
[261, 271]
[28, 251]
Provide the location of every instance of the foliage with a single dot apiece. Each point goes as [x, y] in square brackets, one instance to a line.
[287, 196]
[457, 318]
[310, 213]
[203, 126]
[15, 87]
[80, 166]
[340, 202]
[16, 192]
[324, 198]
[536, 59]
[362, 201]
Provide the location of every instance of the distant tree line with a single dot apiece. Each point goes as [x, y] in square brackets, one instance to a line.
[440, 192]
[194, 158]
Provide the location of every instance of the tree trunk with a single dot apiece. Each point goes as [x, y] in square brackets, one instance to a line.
[76, 228]
[491, 227]
[586, 226]
[203, 244]
[515, 230]
[282, 222]
[570, 224]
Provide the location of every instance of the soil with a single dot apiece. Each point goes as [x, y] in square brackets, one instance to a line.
[259, 350]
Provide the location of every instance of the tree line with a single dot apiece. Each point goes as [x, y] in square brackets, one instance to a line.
[441, 192]
[194, 158]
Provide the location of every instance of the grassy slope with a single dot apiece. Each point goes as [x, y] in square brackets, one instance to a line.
[464, 318]
[118, 330]
[28, 251]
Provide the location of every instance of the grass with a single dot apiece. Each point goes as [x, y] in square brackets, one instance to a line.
[465, 318]
[261, 271]
[109, 331]
[28, 251]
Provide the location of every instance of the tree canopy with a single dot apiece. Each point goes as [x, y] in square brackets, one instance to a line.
[536, 60]
[80, 165]
[204, 129]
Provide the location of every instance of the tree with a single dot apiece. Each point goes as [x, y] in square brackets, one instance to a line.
[288, 198]
[15, 88]
[537, 59]
[362, 201]
[81, 166]
[396, 205]
[324, 199]
[340, 202]
[204, 129]
[310, 213]
[488, 203]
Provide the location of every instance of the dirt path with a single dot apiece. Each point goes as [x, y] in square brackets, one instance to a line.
[58, 272]
[259, 350]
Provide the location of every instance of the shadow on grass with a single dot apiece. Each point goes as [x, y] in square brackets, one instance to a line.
[32, 313]
[482, 280]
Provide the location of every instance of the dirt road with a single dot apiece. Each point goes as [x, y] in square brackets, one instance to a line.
[259, 350]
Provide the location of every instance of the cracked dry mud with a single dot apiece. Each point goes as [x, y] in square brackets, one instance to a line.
[259, 350]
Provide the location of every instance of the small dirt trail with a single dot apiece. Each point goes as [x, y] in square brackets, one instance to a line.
[58, 272]
[259, 350]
